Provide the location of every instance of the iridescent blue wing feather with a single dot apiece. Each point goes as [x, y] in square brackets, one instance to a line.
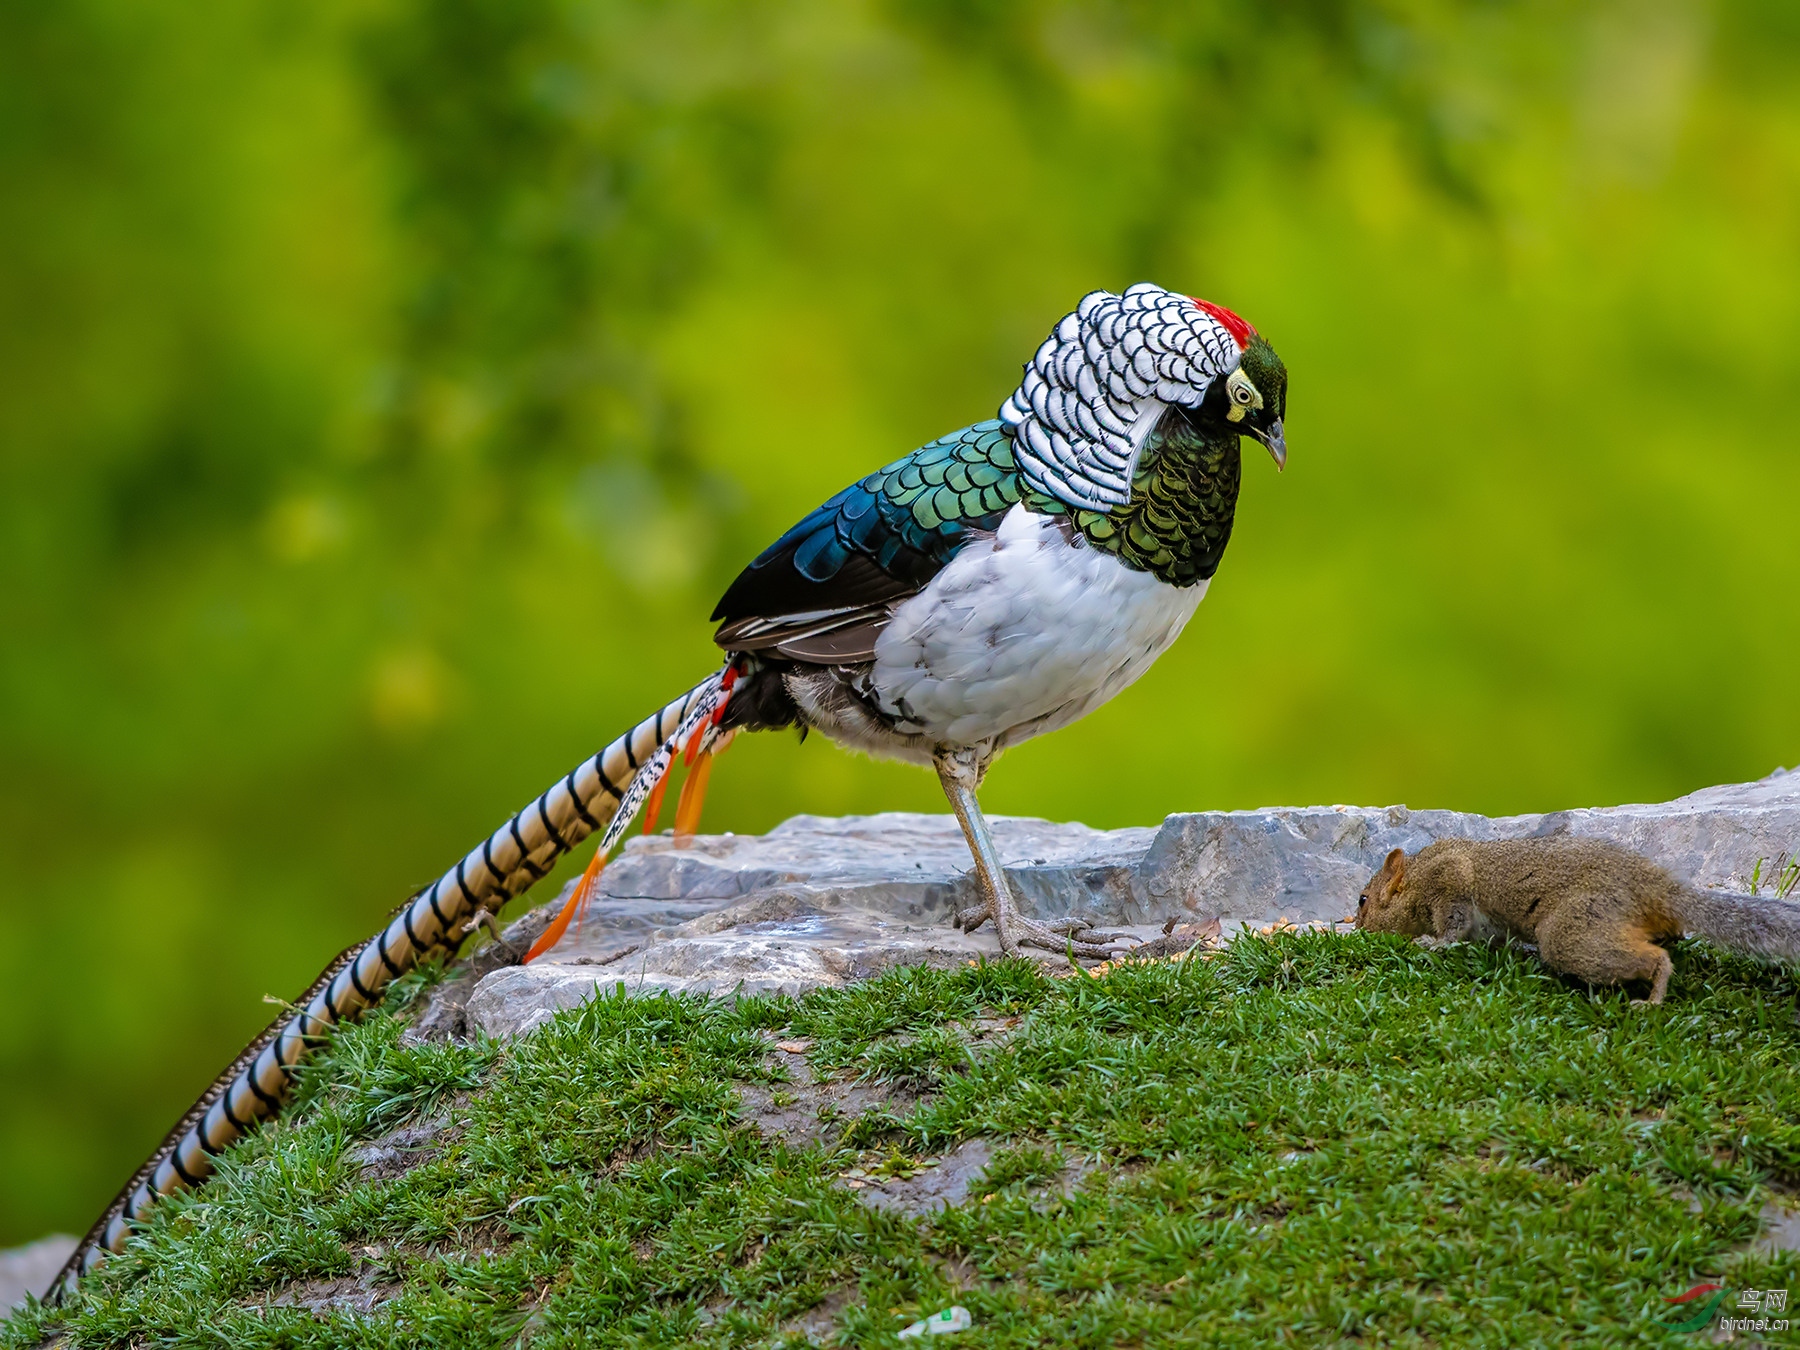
[824, 590]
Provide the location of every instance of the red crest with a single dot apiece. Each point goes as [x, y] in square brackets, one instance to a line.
[1241, 332]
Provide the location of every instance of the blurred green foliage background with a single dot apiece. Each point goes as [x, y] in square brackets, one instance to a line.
[388, 389]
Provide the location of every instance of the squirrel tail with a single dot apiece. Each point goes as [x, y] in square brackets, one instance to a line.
[1750, 925]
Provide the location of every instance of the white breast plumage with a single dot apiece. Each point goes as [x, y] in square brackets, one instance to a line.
[1022, 634]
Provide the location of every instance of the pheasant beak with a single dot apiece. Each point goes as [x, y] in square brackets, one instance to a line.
[1271, 437]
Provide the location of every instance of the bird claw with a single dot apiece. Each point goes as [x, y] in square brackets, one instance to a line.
[1057, 935]
[970, 919]
[1059, 938]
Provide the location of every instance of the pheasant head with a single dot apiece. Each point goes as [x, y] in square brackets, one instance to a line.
[1097, 390]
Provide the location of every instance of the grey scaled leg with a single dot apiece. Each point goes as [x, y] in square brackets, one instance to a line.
[960, 771]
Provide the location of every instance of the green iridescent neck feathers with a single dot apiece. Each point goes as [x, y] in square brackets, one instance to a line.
[1178, 521]
[1184, 492]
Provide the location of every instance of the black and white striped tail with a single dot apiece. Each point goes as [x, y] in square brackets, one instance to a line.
[518, 854]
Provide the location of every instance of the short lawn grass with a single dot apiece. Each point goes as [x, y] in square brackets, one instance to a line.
[1309, 1139]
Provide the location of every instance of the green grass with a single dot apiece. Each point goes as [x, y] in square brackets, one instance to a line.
[1311, 1138]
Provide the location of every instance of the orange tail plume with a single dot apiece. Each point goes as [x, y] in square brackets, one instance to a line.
[693, 797]
[653, 807]
[578, 900]
[693, 745]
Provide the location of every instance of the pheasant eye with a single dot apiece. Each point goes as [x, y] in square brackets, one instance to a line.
[1242, 392]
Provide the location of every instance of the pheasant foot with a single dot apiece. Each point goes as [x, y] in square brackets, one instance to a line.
[960, 771]
[1059, 935]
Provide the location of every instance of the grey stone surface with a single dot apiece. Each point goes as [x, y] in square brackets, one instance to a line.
[360, 1293]
[29, 1269]
[820, 901]
[1780, 1231]
[399, 1151]
[816, 901]
[1310, 863]
[945, 1183]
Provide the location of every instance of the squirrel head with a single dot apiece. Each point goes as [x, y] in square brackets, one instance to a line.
[1384, 905]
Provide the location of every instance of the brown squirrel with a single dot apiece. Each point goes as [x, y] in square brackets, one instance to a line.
[1595, 910]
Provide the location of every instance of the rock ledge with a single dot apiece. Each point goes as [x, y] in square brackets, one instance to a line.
[823, 901]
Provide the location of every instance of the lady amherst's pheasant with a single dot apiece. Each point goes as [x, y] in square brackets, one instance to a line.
[999, 583]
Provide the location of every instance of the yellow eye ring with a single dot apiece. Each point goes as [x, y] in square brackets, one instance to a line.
[1243, 395]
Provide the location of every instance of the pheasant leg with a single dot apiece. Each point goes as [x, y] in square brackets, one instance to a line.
[960, 771]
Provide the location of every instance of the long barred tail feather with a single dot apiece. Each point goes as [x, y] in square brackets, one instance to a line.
[110, 1230]
[601, 793]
